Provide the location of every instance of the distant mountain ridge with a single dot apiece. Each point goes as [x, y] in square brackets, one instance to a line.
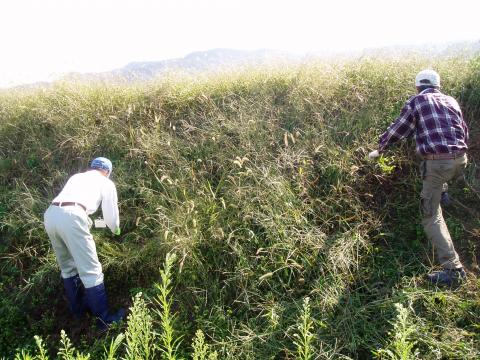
[224, 59]
[201, 61]
[465, 48]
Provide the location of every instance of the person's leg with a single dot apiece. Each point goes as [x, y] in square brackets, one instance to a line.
[75, 292]
[83, 249]
[445, 198]
[437, 172]
[460, 164]
[53, 219]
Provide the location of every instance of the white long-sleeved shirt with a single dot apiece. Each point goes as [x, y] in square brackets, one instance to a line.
[91, 188]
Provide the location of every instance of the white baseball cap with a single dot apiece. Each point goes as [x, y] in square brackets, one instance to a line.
[427, 77]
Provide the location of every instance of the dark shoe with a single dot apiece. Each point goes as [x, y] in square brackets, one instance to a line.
[445, 199]
[447, 276]
[97, 302]
[74, 291]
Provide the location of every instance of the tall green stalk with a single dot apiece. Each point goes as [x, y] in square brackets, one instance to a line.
[168, 338]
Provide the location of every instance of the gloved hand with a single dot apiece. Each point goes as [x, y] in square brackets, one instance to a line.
[374, 154]
[117, 231]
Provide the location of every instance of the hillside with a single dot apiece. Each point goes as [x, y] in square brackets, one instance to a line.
[285, 242]
[217, 60]
[195, 63]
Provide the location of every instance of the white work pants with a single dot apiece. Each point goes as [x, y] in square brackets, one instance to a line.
[68, 230]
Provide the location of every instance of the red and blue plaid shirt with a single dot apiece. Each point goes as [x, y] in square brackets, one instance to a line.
[434, 119]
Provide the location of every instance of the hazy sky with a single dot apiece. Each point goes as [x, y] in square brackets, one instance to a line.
[41, 39]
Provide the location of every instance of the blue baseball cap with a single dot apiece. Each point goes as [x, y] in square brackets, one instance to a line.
[101, 163]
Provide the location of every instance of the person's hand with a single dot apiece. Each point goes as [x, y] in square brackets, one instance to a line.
[374, 154]
[117, 231]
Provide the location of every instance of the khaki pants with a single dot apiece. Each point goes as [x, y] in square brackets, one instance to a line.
[435, 173]
[69, 231]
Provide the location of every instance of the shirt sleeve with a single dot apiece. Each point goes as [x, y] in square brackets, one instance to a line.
[465, 129]
[401, 128]
[110, 207]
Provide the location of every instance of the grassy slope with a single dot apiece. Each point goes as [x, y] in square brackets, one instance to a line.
[258, 182]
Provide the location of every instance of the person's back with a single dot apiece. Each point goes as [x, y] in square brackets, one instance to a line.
[440, 127]
[85, 187]
[90, 189]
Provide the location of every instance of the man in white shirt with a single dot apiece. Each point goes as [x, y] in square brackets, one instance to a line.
[68, 227]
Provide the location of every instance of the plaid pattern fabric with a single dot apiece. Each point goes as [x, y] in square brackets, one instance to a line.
[434, 119]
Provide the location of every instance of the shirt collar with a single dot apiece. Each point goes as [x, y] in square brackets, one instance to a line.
[93, 171]
[429, 91]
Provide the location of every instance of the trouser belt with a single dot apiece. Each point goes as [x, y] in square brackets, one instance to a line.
[446, 156]
[69, 203]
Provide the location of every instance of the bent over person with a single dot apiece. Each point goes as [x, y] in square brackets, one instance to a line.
[68, 227]
[441, 135]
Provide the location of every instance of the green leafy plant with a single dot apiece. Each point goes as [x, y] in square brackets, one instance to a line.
[402, 346]
[110, 353]
[67, 350]
[386, 164]
[201, 350]
[140, 335]
[304, 337]
[168, 338]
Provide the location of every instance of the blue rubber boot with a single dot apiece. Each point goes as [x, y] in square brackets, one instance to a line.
[75, 292]
[97, 302]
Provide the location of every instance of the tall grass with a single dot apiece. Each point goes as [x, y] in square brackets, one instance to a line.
[259, 183]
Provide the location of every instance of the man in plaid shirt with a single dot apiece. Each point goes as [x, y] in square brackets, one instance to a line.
[441, 135]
